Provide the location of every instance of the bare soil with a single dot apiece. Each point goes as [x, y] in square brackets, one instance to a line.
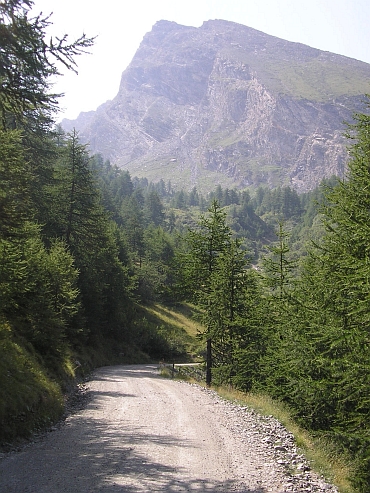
[143, 433]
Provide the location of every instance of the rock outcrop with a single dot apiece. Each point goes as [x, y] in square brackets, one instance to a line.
[224, 103]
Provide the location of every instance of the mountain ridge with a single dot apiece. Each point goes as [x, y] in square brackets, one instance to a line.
[227, 104]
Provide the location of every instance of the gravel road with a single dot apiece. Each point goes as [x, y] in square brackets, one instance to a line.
[143, 433]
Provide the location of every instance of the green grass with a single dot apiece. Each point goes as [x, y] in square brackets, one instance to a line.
[180, 315]
[176, 324]
[29, 399]
[181, 176]
[319, 81]
[316, 78]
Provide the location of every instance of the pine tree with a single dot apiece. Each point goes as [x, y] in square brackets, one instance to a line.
[79, 218]
[219, 281]
[322, 367]
[153, 210]
[230, 316]
[205, 244]
[15, 201]
[27, 62]
[278, 266]
[38, 280]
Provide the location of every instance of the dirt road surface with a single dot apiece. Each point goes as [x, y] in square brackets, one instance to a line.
[143, 433]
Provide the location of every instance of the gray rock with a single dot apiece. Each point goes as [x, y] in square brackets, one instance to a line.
[224, 103]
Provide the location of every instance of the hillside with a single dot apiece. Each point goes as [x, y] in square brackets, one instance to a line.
[226, 104]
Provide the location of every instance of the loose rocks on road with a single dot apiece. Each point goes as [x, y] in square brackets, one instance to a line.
[143, 433]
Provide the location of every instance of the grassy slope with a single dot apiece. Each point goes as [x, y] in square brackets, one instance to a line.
[175, 323]
[29, 399]
[316, 76]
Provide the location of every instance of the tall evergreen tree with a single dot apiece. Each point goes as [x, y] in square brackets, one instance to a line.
[205, 243]
[322, 367]
[227, 293]
[230, 311]
[15, 201]
[278, 266]
[79, 218]
[153, 209]
[27, 62]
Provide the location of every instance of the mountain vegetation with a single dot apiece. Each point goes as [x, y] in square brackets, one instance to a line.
[93, 258]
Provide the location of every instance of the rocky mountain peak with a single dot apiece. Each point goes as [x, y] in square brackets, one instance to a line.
[227, 104]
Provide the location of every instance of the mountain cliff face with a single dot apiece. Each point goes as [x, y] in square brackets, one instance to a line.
[227, 104]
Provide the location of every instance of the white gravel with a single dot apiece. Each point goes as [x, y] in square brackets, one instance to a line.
[143, 433]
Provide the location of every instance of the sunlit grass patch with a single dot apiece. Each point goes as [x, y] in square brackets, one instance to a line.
[175, 324]
[179, 315]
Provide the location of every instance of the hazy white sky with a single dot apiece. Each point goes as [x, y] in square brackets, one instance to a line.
[339, 26]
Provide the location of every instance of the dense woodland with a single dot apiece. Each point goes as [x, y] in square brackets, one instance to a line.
[280, 280]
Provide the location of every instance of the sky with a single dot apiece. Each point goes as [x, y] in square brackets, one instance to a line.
[338, 26]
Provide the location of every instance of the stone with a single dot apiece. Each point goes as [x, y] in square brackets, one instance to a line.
[226, 104]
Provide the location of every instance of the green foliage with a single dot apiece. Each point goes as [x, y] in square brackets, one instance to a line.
[64, 267]
[228, 296]
[205, 244]
[38, 289]
[282, 201]
[319, 364]
[153, 209]
[15, 205]
[278, 267]
[165, 334]
[27, 62]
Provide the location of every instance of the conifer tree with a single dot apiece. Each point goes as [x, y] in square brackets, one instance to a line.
[205, 244]
[153, 209]
[79, 218]
[38, 281]
[323, 367]
[15, 201]
[27, 61]
[227, 292]
[278, 266]
[230, 317]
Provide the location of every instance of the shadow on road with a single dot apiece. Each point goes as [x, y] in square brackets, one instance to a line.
[87, 455]
[113, 465]
[100, 460]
